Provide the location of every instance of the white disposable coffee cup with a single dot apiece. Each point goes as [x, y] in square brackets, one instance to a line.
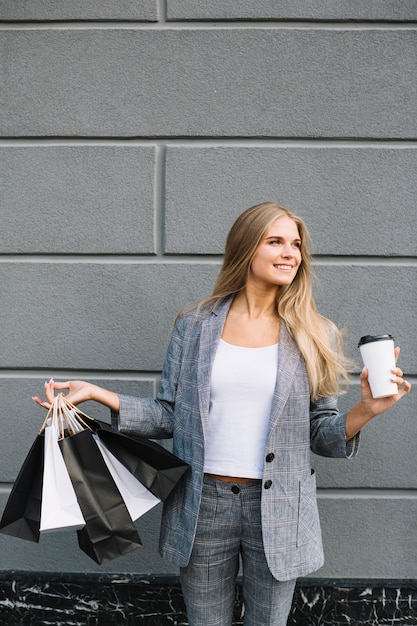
[378, 357]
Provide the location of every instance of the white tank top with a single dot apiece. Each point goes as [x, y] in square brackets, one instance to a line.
[242, 387]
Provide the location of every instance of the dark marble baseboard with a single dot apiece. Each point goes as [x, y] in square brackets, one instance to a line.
[42, 599]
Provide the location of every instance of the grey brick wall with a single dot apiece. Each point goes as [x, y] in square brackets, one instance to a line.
[131, 136]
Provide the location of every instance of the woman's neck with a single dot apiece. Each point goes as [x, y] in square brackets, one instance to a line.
[251, 322]
[255, 305]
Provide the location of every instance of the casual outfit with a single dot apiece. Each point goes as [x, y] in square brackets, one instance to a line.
[272, 521]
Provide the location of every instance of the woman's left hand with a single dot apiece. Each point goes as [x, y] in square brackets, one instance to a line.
[369, 407]
[375, 406]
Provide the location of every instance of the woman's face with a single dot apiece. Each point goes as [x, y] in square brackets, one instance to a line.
[278, 257]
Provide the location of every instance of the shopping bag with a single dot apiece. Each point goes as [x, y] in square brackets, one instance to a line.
[109, 530]
[108, 495]
[59, 508]
[21, 516]
[137, 498]
[110, 546]
[155, 467]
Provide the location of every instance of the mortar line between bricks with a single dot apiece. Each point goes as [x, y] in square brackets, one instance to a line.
[66, 374]
[212, 25]
[159, 201]
[362, 493]
[42, 374]
[162, 11]
[190, 259]
[213, 142]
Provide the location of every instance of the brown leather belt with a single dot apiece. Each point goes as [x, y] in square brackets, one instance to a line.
[232, 479]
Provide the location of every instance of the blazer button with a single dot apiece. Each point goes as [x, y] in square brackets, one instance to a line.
[270, 457]
[267, 484]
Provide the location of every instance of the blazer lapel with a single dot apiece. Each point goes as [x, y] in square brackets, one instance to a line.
[211, 330]
[288, 359]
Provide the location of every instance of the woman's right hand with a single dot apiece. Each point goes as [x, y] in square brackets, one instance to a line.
[78, 391]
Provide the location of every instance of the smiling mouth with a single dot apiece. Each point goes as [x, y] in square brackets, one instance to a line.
[284, 268]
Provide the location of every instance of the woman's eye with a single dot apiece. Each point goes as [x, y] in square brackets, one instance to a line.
[278, 242]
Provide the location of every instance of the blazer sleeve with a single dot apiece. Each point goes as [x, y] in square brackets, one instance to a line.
[328, 430]
[153, 417]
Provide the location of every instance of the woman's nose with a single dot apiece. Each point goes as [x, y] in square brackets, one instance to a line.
[287, 250]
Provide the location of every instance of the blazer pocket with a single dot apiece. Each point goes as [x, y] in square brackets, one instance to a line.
[308, 529]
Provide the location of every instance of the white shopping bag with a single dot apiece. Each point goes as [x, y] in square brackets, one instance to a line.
[59, 507]
[137, 498]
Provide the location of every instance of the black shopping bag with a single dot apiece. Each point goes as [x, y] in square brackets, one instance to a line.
[109, 531]
[152, 465]
[22, 514]
[155, 467]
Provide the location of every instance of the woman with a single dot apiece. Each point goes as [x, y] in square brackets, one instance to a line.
[248, 387]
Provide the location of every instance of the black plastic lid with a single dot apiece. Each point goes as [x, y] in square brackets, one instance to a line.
[371, 338]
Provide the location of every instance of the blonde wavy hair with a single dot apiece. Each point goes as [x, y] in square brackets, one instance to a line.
[318, 339]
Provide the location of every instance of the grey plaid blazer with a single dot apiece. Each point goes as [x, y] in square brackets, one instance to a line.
[290, 522]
